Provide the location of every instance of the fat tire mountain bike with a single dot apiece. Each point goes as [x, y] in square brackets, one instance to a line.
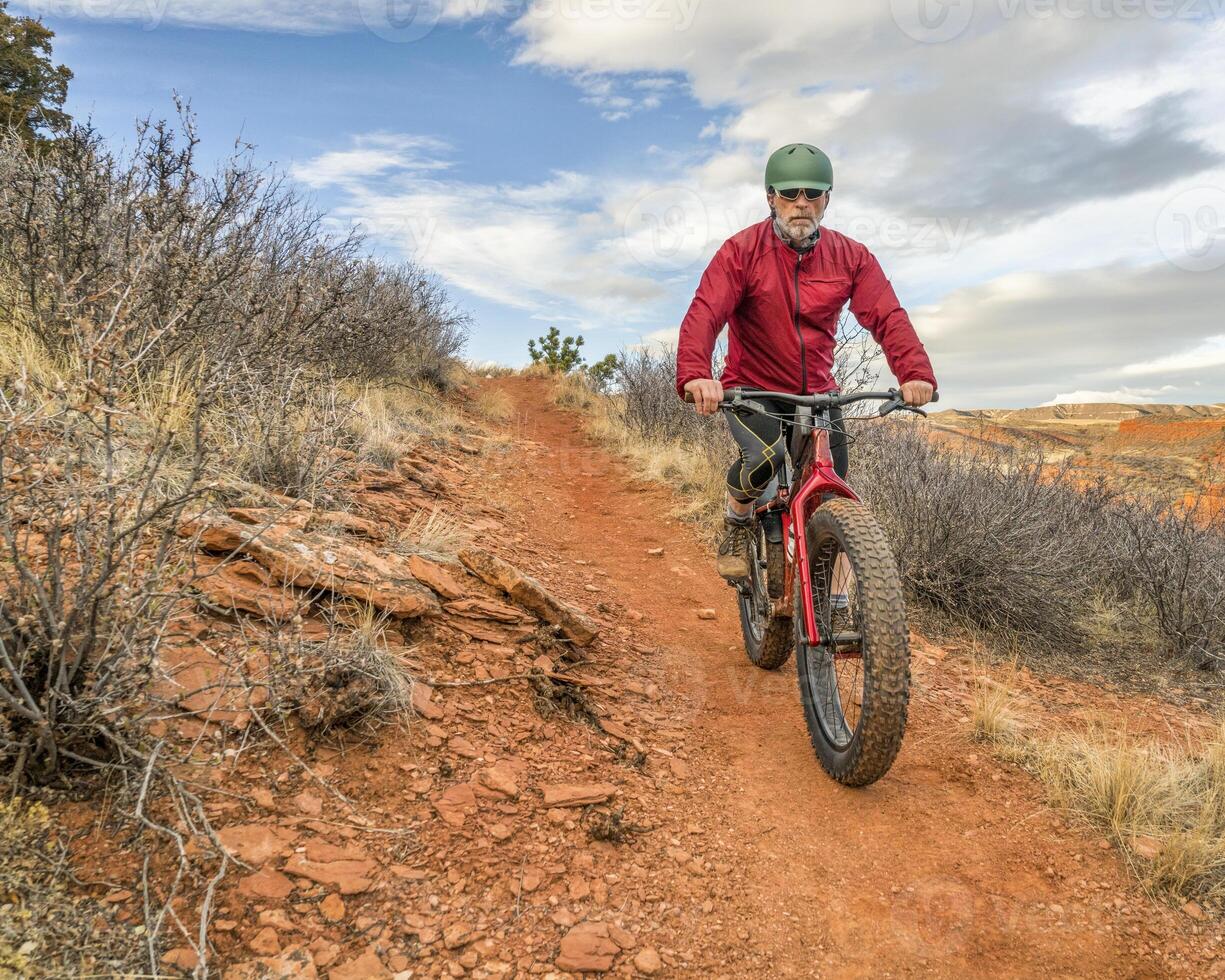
[852, 655]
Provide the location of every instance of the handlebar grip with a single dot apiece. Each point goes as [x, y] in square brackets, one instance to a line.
[689, 397]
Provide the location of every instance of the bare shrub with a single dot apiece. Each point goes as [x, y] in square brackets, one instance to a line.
[232, 261]
[648, 406]
[45, 930]
[88, 567]
[1176, 567]
[164, 332]
[287, 436]
[91, 578]
[1001, 540]
[1027, 550]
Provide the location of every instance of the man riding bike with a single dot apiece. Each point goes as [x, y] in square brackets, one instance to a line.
[780, 286]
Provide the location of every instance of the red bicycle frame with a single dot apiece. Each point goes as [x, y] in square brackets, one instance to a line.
[816, 479]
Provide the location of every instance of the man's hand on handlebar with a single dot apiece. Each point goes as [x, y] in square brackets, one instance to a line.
[706, 393]
[917, 393]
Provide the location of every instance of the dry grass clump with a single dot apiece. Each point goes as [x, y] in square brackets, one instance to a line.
[537, 369]
[493, 404]
[490, 369]
[1148, 797]
[387, 421]
[434, 533]
[573, 391]
[350, 680]
[347, 680]
[993, 715]
[1163, 805]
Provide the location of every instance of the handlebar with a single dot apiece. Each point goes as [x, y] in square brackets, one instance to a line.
[742, 398]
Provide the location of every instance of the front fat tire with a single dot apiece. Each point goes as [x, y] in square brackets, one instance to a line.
[885, 648]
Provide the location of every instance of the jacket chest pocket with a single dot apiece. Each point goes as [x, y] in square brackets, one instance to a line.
[822, 297]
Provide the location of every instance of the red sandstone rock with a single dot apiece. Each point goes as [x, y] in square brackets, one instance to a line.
[530, 594]
[587, 948]
[577, 794]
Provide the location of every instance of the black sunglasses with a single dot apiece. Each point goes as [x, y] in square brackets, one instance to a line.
[793, 193]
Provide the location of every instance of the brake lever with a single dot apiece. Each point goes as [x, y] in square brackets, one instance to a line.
[892, 405]
[898, 402]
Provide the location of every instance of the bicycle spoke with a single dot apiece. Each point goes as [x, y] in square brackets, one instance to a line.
[836, 666]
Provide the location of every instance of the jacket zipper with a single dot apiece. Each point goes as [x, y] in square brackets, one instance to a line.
[799, 333]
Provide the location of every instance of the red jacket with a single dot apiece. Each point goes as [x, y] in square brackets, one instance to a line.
[752, 284]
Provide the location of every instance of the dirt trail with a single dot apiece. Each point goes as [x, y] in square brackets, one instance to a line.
[655, 810]
[951, 866]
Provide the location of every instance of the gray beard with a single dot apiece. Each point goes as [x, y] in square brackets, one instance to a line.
[803, 245]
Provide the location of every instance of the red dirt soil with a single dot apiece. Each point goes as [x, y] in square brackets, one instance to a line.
[743, 859]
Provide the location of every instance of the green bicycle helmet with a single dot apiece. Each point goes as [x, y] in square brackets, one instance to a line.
[799, 165]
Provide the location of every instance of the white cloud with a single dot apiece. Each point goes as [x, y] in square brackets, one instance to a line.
[371, 156]
[290, 16]
[1208, 354]
[554, 247]
[1025, 337]
[392, 21]
[1126, 396]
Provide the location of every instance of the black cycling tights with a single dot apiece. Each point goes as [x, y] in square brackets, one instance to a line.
[761, 439]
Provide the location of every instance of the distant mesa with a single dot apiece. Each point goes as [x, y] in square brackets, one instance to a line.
[1083, 414]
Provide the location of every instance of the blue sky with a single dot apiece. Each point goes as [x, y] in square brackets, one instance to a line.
[297, 96]
[1043, 181]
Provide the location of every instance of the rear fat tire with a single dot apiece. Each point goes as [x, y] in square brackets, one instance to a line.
[767, 648]
[885, 688]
